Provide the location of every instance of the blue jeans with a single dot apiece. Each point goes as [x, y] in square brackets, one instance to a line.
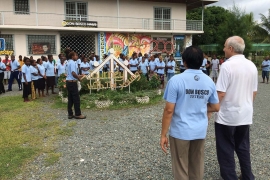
[169, 76]
[14, 75]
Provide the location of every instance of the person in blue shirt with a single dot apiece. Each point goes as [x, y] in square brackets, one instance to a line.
[72, 87]
[160, 66]
[133, 63]
[26, 79]
[34, 75]
[41, 78]
[15, 66]
[204, 64]
[143, 67]
[170, 67]
[50, 74]
[189, 97]
[2, 69]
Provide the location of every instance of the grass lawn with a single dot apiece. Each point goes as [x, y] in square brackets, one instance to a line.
[24, 130]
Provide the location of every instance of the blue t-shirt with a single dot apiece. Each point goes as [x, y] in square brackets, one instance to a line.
[171, 63]
[61, 68]
[143, 66]
[190, 92]
[41, 70]
[71, 67]
[152, 65]
[50, 68]
[14, 65]
[26, 70]
[203, 67]
[35, 71]
[2, 66]
[133, 62]
[160, 64]
[264, 63]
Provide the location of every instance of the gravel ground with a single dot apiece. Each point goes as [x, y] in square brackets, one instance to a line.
[124, 144]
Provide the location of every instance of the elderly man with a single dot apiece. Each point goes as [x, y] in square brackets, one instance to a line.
[196, 93]
[265, 69]
[236, 91]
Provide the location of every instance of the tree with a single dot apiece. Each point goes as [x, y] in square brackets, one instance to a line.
[213, 17]
[265, 24]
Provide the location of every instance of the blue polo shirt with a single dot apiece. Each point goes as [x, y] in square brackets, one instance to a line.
[50, 68]
[27, 71]
[190, 92]
[14, 65]
[71, 67]
[160, 64]
[35, 71]
[2, 66]
[61, 68]
[41, 70]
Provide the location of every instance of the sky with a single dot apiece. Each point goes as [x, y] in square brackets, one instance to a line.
[255, 6]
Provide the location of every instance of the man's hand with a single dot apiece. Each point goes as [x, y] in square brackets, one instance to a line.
[26, 83]
[164, 143]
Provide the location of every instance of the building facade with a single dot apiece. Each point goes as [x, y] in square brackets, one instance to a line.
[38, 27]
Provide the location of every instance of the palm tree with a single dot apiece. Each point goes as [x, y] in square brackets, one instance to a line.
[265, 24]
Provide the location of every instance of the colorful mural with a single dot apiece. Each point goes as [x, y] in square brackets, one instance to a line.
[128, 43]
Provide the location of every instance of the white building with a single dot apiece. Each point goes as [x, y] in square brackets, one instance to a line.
[31, 26]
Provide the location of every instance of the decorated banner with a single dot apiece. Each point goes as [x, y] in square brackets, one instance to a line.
[128, 43]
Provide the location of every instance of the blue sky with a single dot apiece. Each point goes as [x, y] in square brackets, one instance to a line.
[255, 6]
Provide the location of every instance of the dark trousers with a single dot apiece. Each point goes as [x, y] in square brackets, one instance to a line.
[228, 140]
[2, 89]
[73, 98]
[14, 75]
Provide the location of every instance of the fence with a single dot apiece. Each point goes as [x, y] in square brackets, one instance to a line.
[55, 20]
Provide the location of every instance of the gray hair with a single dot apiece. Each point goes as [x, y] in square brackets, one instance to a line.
[237, 43]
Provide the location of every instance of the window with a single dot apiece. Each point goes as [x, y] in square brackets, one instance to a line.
[83, 43]
[21, 6]
[162, 18]
[76, 11]
[162, 44]
[41, 44]
[8, 41]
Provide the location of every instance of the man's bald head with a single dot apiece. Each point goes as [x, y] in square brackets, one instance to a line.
[237, 43]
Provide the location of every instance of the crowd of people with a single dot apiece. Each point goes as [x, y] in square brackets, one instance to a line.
[42, 74]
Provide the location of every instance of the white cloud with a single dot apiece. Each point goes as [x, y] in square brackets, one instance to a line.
[254, 6]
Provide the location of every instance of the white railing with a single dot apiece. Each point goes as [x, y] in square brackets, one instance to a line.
[55, 20]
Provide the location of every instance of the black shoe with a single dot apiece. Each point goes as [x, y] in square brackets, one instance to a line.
[3, 91]
[70, 117]
[20, 89]
[9, 90]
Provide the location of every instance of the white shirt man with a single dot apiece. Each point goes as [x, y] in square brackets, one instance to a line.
[236, 88]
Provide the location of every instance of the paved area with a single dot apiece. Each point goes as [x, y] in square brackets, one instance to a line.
[124, 144]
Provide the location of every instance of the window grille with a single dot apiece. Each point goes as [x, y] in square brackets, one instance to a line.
[8, 41]
[162, 18]
[76, 11]
[41, 44]
[80, 43]
[163, 44]
[21, 6]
